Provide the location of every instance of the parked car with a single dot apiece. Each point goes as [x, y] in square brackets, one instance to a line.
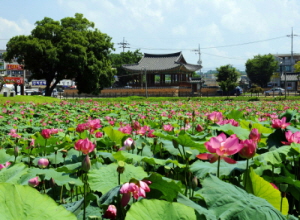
[32, 92]
[275, 91]
[237, 91]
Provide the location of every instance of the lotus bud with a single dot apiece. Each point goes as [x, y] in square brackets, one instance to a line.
[86, 163]
[16, 151]
[199, 128]
[121, 167]
[33, 182]
[111, 212]
[175, 144]
[194, 182]
[43, 163]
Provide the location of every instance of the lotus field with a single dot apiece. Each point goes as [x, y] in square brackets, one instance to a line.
[150, 160]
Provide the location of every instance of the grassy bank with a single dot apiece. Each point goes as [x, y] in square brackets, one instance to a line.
[42, 99]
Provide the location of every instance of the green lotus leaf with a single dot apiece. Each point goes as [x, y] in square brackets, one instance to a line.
[201, 168]
[229, 129]
[114, 135]
[263, 189]
[169, 188]
[158, 209]
[235, 114]
[274, 157]
[4, 157]
[12, 174]
[106, 178]
[24, 202]
[228, 202]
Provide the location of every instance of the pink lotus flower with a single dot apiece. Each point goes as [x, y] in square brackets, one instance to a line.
[111, 212]
[84, 145]
[228, 121]
[127, 144]
[32, 143]
[99, 134]
[136, 189]
[54, 130]
[4, 165]
[46, 133]
[222, 147]
[199, 128]
[94, 125]
[168, 127]
[43, 163]
[136, 125]
[277, 123]
[254, 135]
[150, 133]
[34, 181]
[292, 137]
[13, 133]
[126, 129]
[215, 117]
[81, 127]
[249, 149]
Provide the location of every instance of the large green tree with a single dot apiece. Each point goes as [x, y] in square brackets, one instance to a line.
[67, 49]
[261, 68]
[227, 77]
[118, 60]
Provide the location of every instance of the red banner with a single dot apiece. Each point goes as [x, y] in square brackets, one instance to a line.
[13, 80]
[14, 67]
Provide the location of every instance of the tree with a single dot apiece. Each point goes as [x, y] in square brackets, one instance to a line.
[69, 49]
[261, 68]
[118, 60]
[227, 77]
[297, 66]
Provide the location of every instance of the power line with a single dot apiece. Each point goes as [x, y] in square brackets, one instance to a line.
[212, 47]
[124, 44]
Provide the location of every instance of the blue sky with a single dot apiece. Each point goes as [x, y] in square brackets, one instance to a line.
[228, 31]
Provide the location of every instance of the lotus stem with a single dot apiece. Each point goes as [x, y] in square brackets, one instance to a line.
[246, 173]
[45, 147]
[218, 169]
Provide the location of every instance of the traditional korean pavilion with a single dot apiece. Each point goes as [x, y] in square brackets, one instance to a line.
[161, 70]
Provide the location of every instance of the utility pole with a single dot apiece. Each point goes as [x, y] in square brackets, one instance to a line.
[123, 44]
[292, 54]
[199, 53]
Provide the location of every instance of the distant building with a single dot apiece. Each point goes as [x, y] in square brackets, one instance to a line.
[159, 70]
[287, 77]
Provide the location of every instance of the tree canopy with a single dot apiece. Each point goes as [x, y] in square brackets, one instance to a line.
[227, 77]
[118, 60]
[297, 66]
[261, 68]
[67, 49]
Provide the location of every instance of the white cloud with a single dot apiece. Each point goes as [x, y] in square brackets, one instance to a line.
[9, 29]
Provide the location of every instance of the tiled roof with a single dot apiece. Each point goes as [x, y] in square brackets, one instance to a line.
[290, 77]
[161, 62]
